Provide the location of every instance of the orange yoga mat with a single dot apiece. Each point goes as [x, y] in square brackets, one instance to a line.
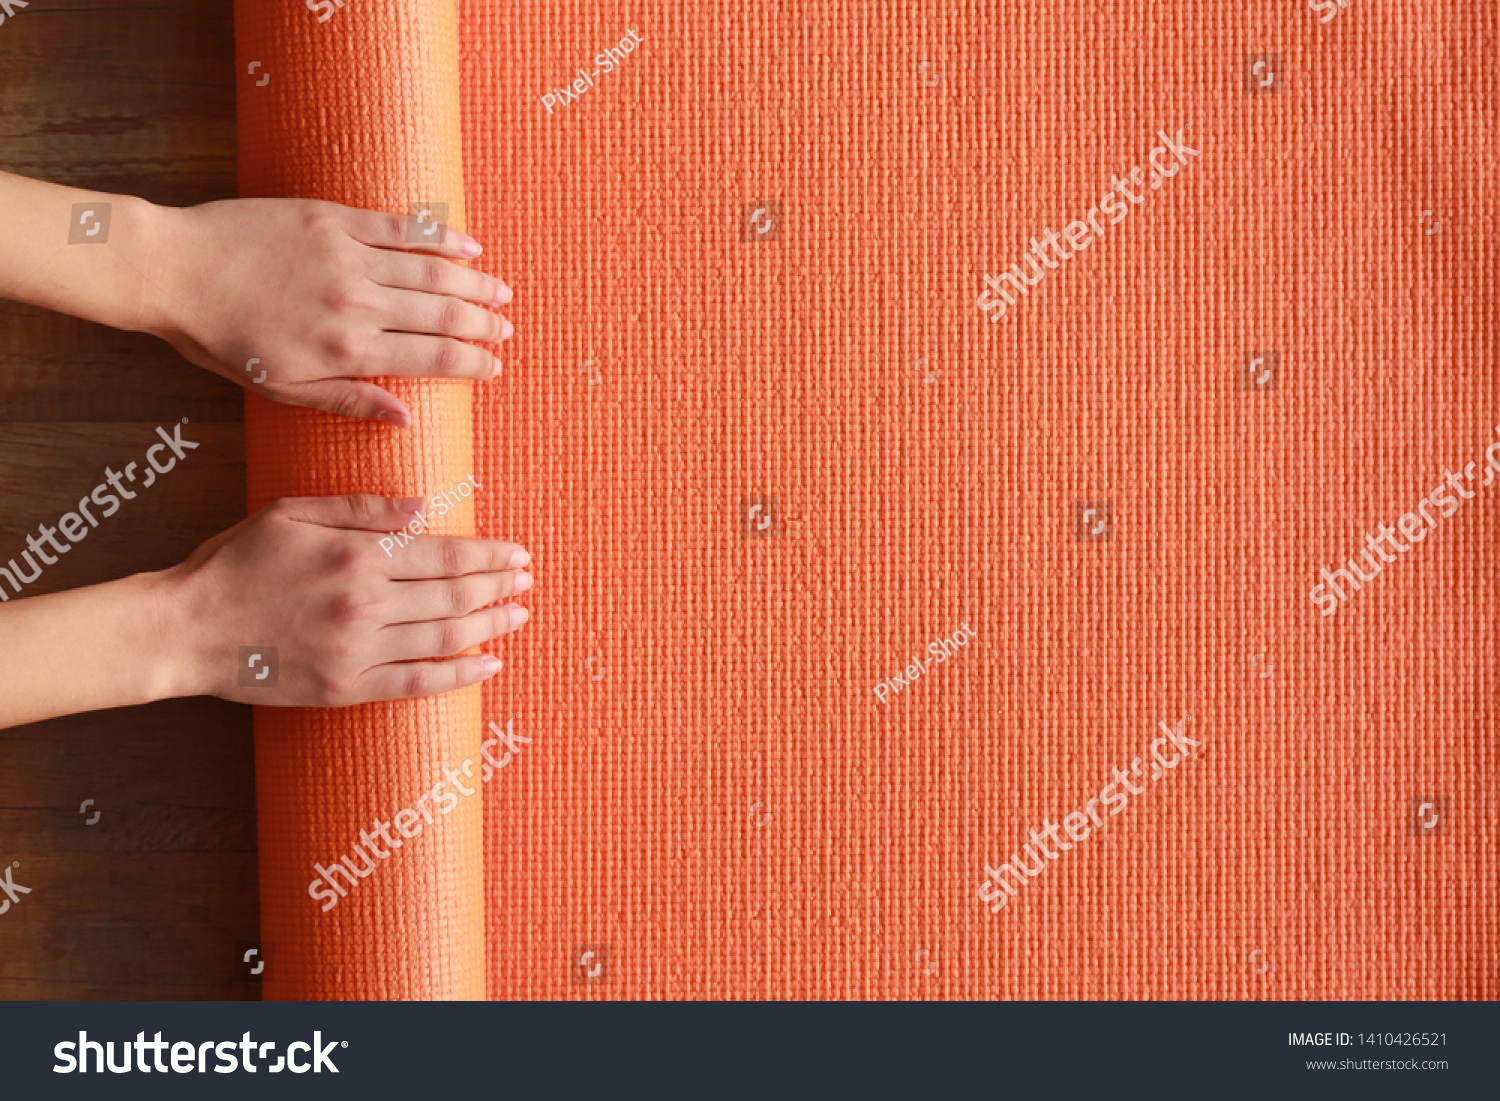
[942, 433]
[362, 112]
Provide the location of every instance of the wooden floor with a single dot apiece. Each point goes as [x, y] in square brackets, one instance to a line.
[157, 899]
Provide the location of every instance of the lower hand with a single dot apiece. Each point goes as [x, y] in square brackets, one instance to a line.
[350, 622]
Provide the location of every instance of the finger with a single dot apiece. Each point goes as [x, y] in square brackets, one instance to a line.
[407, 355]
[353, 511]
[402, 231]
[454, 556]
[413, 680]
[421, 601]
[435, 275]
[348, 398]
[441, 638]
[403, 311]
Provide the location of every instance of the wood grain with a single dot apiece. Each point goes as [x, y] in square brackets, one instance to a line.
[157, 899]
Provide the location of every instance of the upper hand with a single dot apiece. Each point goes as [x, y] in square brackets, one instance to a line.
[324, 297]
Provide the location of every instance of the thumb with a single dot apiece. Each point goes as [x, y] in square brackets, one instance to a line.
[354, 511]
[351, 398]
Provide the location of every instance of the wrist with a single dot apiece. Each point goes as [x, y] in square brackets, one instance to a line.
[180, 664]
[156, 251]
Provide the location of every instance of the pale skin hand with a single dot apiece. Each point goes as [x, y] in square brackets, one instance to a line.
[305, 575]
[326, 297]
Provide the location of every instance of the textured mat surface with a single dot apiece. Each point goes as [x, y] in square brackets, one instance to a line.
[769, 436]
[362, 112]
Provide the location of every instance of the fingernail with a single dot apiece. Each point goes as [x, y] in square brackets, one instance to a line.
[507, 330]
[471, 247]
[489, 664]
[410, 504]
[496, 372]
[518, 616]
[397, 417]
[523, 582]
[520, 558]
[503, 295]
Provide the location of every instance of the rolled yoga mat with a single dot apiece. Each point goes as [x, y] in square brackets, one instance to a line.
[362, 111]
[774, 446]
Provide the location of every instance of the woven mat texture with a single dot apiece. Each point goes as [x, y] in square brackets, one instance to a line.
[767, 448]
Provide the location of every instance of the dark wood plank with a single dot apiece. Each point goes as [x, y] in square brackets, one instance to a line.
[157, 899]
